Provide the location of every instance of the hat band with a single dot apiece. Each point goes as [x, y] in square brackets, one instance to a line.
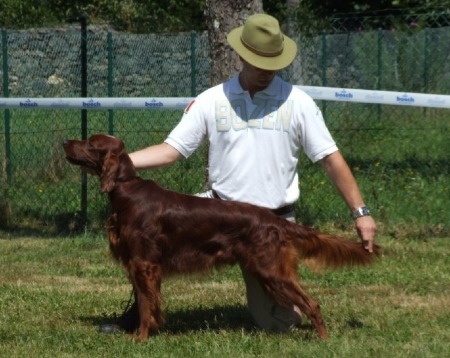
[262, 53]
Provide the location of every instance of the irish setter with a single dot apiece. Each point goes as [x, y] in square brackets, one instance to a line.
[155, 232]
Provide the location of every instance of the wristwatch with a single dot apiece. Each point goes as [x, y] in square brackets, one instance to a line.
[360, 212]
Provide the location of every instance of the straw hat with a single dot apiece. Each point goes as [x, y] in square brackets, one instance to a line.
[261, 43]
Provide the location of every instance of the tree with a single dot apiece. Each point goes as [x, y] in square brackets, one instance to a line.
[221, 17]
[155, 16]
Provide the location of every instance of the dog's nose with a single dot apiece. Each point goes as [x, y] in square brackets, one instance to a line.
[65, 142]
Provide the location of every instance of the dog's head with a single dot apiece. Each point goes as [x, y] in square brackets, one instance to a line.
[101, 155]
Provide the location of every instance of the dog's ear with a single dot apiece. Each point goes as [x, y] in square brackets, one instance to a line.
[109, 172]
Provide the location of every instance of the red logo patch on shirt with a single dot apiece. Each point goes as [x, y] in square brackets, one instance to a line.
[189, 106]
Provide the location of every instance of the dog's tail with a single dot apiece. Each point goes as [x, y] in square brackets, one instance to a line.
[320, 250]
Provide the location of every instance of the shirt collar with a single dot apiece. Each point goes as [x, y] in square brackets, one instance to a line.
[271, 90]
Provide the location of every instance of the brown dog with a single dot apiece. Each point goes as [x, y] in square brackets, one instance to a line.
[155, 232]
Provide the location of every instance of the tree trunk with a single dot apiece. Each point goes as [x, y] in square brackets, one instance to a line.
[221, 17]
[291, 6]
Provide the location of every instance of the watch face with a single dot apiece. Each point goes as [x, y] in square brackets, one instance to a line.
[364, 211]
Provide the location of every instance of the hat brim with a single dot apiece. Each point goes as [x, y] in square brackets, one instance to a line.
[270, 63]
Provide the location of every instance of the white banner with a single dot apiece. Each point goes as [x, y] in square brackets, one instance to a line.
[318, 93]
[378, 97]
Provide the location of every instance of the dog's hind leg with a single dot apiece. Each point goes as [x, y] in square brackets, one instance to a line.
[309, 306]
[146, 279]
[286, 291]
[279, 278]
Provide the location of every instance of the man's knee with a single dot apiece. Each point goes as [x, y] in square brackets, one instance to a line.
[266, 313]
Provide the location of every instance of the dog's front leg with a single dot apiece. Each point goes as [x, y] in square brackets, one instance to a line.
[113, 237]
[146, 278]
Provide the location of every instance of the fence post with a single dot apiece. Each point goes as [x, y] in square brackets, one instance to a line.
[379, 66]
[426, 54]
[193, 64]
[324, 68]
[7, 111]
[83, 48]
[110, 83]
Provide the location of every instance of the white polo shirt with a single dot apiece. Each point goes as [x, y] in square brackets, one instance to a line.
[254, 143]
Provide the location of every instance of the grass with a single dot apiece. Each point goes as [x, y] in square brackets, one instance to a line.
[55, 292]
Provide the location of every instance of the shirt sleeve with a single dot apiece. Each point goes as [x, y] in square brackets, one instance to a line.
[317, 140]
[190, 132]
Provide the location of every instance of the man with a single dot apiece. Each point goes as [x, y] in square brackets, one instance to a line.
[257, 124]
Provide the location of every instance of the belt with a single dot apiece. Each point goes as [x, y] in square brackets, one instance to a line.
[283, 210]
[279, 211]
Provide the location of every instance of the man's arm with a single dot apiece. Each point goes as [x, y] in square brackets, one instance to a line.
[340, 174]
[155, 156]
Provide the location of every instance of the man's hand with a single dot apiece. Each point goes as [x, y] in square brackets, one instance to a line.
[366, 229]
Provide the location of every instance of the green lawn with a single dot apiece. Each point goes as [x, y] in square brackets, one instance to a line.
[54, 293]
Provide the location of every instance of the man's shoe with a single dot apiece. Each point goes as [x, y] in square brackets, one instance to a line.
[127, 322]
[110, 328]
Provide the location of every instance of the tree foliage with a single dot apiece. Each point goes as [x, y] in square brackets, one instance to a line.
[144, 16]
[140, 16]
[312, 16]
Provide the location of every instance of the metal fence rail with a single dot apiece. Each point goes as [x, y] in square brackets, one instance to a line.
[40, 191]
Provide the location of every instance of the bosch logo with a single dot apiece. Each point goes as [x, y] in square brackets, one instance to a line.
[92, 104]
[28, 104]
[59, 104]
[343, 94]
[374, 97]
[437, 102]
[123, 104]
[405, 99]
[154, 104]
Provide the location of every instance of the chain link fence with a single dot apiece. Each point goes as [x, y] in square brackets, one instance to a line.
[399, 155]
